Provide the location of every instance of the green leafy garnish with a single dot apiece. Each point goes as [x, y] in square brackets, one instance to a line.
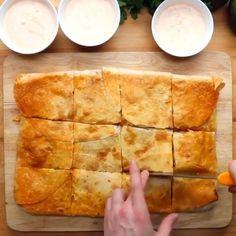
[152, 5]
[133, 7]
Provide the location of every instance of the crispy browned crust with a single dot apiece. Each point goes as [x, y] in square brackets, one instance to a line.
[191, 194]
[90, 190]
[194, 101]
[195, 152]
[45, 144]
[34, 185]
[68, 168]
[151, 148]
[157, 193]
[146, 98]
[58, 203]
[96, 97]
[97, 147]
[48, 95]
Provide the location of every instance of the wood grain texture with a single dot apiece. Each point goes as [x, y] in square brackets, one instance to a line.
[131, 36]
[204, 64]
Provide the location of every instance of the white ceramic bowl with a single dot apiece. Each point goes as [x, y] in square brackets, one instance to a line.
[7, 41]
[94, 42]
[207, 17]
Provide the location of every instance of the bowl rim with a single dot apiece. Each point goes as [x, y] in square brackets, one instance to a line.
[3, 9]
[209, 31]
[61, 9]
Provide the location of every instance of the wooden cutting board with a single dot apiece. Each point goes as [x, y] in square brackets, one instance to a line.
[205, 63]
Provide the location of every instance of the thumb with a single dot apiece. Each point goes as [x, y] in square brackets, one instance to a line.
[232, 170]
[166, 225]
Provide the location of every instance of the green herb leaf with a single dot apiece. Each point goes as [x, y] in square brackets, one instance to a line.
[134, 13]
[208, 4]
[122, 3]
[123, 15]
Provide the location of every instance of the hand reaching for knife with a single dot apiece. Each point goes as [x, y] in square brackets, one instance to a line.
[130, 216]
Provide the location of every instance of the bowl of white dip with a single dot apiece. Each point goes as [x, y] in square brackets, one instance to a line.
[182, 28]
[89, 22]
[28, 27]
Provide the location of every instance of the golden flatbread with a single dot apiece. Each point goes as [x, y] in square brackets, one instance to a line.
[189, 194]
[45, 95]
[58, 203]
[151, 148]
[146, 98]
[45, 144]
[96, 97]
[157, 193]
[33, 185]
[195, 152]
[97, 147]
[90, 190]
[194, 101]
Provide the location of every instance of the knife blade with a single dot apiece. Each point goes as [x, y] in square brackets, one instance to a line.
[166, 174]
[223, 178]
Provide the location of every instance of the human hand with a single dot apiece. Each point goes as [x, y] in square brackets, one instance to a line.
[232, 171]
[130, 216]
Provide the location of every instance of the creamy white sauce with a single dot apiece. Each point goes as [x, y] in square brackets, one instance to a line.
[180, 28]
[29, 25]
[89, 21]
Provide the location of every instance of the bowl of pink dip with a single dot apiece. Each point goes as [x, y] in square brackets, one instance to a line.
[182, 28]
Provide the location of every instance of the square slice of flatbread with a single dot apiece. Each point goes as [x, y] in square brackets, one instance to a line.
[90, 190]
[96, 97]
[151, 148]
[157, 192]
[190, 194]
[43, 191]
[45, 95]
[146, 98]
[194, 101]
[195, 153]
[45, 144]
[97, 147]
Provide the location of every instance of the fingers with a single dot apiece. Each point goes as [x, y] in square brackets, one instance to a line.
[144, 178]
[232, 170]
[167, 225]
[137, 195]
[117, 199]
[108, 207]
[106, 217]
[113, 206]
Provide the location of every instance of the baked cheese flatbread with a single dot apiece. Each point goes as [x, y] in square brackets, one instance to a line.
[157, 193]
[45, 144]
[96, 97]
[46, 95]
[58, 203]
[146, 98]
[97, 147]
[34, 185]
[80, 130]
[189, 194]
[90, 190]
[194, 152]
[151, 148]
[194, 101]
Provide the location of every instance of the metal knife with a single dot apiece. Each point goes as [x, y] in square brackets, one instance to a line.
[223, 178]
